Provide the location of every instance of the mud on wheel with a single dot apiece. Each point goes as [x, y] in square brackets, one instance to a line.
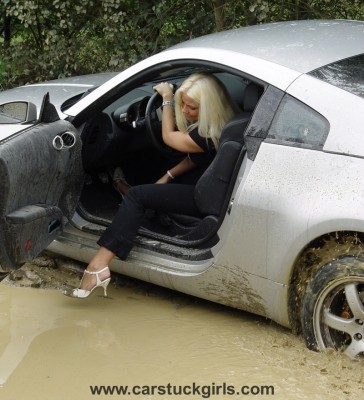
[332, 313]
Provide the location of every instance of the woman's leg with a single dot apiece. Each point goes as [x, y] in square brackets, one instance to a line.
[118, 239]
[119, 236]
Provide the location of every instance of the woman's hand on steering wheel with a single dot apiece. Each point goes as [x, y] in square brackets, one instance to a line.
[165, 89]
[153, 122]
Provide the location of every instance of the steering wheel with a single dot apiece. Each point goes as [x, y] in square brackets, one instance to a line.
[153, 123]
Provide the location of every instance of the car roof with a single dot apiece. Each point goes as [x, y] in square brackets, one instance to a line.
[299, 45]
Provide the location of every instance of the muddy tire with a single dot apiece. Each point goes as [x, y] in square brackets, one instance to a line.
[332, 313]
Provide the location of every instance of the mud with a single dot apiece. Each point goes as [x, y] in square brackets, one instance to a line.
[54, 347]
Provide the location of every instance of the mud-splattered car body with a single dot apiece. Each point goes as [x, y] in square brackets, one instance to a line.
[286, 242]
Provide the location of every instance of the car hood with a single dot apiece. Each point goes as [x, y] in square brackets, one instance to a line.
[63, 93]
[60, 90]
[9, 129]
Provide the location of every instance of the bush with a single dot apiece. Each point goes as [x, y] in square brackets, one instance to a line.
[58, 38]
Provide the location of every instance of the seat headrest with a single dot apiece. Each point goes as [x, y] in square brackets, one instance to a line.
[234, 128]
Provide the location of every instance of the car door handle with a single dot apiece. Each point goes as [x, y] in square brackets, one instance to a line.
[64, 141]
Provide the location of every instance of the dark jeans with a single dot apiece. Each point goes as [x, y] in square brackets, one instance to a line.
[175, 198]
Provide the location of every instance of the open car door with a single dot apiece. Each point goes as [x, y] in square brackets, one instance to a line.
[41, 179]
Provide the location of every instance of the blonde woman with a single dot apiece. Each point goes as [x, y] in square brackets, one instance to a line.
[200, 109]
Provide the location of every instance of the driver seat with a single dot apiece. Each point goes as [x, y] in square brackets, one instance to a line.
[213, 190]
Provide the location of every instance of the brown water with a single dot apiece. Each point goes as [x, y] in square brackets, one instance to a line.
[53, 347]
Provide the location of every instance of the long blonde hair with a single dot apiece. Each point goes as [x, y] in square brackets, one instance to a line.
[215, 106]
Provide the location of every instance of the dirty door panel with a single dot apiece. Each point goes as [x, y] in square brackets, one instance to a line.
[39, 189]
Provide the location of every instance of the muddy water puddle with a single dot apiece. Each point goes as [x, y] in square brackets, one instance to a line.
[158, 343]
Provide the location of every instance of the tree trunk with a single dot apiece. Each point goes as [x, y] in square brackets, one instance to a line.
[219, 11]
[302, 9]
[6, 30]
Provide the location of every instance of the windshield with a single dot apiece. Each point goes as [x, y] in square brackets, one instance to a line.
[347, 74]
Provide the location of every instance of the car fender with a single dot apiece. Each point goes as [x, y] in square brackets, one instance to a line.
[291, 196]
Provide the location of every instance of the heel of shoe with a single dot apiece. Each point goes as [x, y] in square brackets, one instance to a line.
[104, 285]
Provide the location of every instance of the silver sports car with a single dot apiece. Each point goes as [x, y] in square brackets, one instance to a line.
[284, 233]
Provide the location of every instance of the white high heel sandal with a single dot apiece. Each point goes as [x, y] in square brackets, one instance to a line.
[82, 293]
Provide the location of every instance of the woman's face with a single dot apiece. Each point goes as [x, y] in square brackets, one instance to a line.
[190, 108]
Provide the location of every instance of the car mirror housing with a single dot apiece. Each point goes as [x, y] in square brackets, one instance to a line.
[18, 112]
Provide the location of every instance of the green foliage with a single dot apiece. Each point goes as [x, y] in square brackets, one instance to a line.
[56, 38]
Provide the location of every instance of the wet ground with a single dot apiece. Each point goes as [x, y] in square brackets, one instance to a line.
[152, 340]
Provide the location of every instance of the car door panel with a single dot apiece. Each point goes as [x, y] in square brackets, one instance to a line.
[39, 189]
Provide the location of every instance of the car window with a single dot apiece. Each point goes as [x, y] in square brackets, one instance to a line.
[297, 123]
[347, 74]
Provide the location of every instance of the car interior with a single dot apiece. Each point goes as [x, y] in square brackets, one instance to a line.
[127, 134]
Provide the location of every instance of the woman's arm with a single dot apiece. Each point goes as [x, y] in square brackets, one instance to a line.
[181, 168]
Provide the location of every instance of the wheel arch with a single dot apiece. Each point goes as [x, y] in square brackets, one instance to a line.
[314, 256]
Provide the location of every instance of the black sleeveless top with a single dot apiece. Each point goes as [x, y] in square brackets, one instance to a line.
[202, 160]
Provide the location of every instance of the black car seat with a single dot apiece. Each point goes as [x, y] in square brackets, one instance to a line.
[212, 189]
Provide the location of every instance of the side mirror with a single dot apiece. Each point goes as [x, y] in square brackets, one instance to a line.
[18, 112]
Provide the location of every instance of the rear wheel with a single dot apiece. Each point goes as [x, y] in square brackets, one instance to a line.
[332, 313]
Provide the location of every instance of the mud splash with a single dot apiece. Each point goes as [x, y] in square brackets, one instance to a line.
[54, 347]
